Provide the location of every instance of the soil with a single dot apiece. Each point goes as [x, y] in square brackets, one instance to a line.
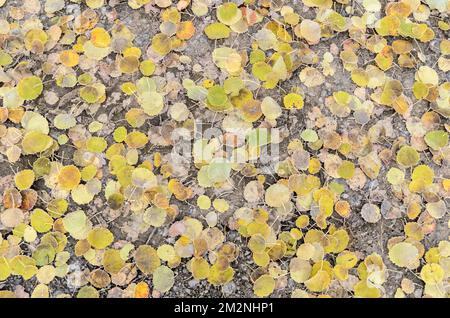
[365, 237]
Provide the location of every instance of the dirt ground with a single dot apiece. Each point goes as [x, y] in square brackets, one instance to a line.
[364, 237]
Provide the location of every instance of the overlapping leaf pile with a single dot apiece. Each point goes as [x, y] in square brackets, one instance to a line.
[96, 204]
